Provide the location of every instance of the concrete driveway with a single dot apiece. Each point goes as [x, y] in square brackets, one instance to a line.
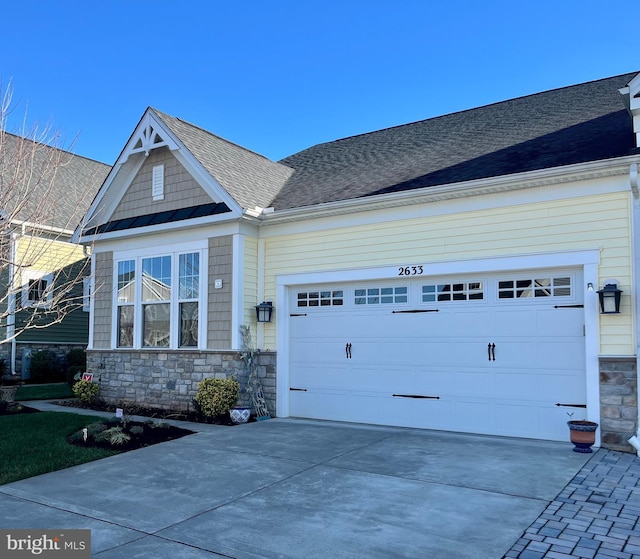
[302, 489]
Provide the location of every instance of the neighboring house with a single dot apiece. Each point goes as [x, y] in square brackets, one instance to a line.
[441, 274]
[44, 193]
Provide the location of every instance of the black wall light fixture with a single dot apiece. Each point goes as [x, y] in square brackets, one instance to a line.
[264, 311]
[609, 297]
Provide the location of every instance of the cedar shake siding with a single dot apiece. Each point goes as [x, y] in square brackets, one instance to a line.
[103, 300]
[180, 189]
[219, 310]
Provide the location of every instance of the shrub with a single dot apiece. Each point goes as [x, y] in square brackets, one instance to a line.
[45, 367]
[76, 363]
[216, 396]
[85, 390]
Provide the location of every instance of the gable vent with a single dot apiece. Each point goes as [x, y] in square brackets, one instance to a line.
[157, 182]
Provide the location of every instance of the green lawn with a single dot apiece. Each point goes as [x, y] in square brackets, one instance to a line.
[35, 443]
[44, 391]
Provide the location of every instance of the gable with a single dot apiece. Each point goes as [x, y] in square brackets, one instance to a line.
[180, 189]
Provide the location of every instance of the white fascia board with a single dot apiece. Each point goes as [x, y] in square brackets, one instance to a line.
[167, 236]
[583, 173]
[541, 260]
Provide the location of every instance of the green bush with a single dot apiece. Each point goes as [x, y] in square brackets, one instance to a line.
[76, 363]
[45, 367]
[85, 390]
[216, 396]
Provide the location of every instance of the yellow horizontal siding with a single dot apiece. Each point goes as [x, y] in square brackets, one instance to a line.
[250, 280]
[562, 225]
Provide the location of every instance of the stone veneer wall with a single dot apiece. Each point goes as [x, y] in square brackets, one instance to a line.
[59, 350]
[618, 401]
[169, 380]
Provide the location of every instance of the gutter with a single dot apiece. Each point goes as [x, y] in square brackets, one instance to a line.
[529, 179]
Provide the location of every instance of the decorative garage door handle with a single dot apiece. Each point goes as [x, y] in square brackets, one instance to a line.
[491, 350]
[347, 350]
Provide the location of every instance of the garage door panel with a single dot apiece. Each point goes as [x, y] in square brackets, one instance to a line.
[441, 359]
[517, 319]
[561, 322]
[562, 353]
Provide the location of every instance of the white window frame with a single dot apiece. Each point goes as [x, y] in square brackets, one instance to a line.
[174, 325]
[30, 276]
[87, 290]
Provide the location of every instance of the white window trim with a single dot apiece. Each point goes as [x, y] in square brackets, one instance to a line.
[174, 251]
[30, 276]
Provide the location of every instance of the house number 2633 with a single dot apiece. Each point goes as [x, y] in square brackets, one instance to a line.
[410, 271]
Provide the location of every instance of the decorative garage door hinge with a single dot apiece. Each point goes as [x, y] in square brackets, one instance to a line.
[416, 396]
[568, 307]
[298, 314]
[297, 389]
[572, 405]
[414, 311]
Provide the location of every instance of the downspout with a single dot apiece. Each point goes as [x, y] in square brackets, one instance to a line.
[635, 243]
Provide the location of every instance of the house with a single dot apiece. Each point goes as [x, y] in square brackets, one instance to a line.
[44, 192]
[443, 274]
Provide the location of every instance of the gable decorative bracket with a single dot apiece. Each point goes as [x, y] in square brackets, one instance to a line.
[150, 135]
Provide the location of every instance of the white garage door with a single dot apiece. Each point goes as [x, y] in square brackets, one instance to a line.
[500, 355]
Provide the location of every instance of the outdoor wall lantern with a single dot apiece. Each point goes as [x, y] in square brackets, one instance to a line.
[264, 311]
[609, 299]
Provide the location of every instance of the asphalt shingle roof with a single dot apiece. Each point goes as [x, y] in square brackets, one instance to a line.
[46, 185]
[575, 124]
[251, 179]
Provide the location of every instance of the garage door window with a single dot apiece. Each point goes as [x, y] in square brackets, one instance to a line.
[534, 287]
[467, 291]
[381, 295]
[333, 298]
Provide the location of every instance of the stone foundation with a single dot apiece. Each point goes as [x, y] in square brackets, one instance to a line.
[618, 402]
[169, 380]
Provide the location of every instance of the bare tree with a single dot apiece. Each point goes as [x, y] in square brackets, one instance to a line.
[44, 193]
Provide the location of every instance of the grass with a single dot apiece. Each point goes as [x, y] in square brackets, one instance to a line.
[36, 443]
[44, 391]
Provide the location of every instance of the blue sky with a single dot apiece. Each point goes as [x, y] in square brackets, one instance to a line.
[277, 77]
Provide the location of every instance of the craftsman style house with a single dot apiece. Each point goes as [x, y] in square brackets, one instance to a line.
[443, 274]
[44, 193]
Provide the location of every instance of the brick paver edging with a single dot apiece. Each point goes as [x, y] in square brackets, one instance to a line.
[596, 516]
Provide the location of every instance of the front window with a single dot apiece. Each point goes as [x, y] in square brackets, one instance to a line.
[126, 293]
[160, 306]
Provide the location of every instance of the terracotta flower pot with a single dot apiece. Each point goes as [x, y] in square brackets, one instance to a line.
[582, 434]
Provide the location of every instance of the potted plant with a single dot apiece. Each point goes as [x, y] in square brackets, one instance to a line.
[582, 434]
[9, 385]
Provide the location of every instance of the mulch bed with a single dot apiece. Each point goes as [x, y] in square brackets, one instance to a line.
[156, 413]
[140, 434]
